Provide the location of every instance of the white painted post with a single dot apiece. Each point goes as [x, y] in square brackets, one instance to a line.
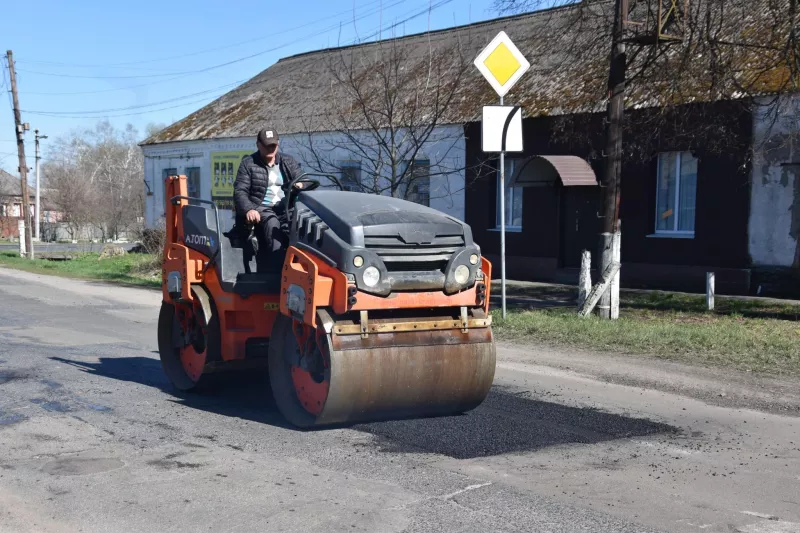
[503, 228]
[21, 226]
[585, 278]
[710, 290]
[616, 254]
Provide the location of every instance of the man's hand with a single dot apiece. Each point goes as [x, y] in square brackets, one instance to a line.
[253, 216]
[299, 185]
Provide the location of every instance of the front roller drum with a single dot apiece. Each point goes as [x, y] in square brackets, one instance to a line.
[384, 376]
[188, 339]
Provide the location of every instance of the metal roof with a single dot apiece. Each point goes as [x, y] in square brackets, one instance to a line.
[571, 170]
[567, 47]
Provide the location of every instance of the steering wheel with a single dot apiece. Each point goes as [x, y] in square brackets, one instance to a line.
[308, 185]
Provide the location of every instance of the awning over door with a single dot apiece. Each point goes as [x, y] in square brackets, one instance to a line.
[541, 170]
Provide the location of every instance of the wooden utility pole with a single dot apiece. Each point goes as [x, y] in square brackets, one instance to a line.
[616, 110]
[23, 167]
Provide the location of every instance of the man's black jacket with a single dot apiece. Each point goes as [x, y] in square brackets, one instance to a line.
[251, 182]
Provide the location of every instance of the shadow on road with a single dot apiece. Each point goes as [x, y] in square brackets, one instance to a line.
[506, 422]
[133, 369]
[244, 395]
[509, 422]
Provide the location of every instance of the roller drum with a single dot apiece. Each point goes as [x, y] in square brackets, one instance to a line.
[384, 376]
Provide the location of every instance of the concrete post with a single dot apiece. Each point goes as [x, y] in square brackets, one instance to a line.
[23, 252]
[710, 290]
[585, 279]
[616, 254]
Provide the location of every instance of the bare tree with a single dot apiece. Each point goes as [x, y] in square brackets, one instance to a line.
[153, 128]
[660, 58]
[95, 180]
[744, 52]
[382, 115]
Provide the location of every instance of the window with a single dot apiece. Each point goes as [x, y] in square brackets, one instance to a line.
[418, 182]
[167, 172]
[351, 175]
[193, 181]
[16, 210]
[513, 199]
[676, 194]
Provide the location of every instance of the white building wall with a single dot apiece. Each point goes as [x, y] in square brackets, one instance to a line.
[445, 149]
[774, 225]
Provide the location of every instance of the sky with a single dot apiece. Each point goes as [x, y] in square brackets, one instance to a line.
[142, 62]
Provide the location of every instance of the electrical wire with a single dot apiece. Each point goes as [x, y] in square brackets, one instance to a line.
[209, 50]
[101, 113]
[131, 114]
[184, 75]
[196, 71]
[129, 108]
[177, 75]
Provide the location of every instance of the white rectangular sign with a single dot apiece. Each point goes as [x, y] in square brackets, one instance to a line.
[499, 122]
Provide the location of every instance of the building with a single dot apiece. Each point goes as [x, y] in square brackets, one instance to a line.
[711, 187]
[11, 205]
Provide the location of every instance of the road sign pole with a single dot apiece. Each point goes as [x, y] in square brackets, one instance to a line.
[503, 227]
[502, 64]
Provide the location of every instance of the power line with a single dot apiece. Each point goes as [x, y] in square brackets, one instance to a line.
[202, 70]
[129, 108]
[127, 114]
[177, 75]
[209, 50]
[56, 75]
[101, 113]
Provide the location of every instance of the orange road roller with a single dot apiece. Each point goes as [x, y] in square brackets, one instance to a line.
[377, 309]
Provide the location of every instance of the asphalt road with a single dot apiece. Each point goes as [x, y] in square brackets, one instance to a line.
[93, 439]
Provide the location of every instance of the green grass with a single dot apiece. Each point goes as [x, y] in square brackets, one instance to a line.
[133, 269]
[747, 335]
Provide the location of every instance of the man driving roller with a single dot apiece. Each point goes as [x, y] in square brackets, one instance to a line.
[258, 190]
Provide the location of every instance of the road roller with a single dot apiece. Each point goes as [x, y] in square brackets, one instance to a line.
[376, 309]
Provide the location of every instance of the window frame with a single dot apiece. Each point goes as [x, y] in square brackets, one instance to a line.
[411, 180]
[675, 232]
[510, 165]
[351, 164]
[189, 171]
[165, 173]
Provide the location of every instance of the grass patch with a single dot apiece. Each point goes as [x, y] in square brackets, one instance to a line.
[689, 334]
[134, 269]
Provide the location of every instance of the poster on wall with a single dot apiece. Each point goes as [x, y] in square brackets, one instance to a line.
[224, 166]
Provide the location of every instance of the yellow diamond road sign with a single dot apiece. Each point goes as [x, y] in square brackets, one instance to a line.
[501, 63]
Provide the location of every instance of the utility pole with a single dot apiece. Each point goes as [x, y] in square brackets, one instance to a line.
[611, 196]
[23, 168]
[38, 211]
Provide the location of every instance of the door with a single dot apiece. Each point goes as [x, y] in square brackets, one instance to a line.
[580, 225]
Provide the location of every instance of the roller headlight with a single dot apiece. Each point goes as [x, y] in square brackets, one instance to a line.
[371, 276]
[358, 261]
[461, 275]
[473, 259]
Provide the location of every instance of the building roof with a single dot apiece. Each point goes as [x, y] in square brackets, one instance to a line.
[567, 47]
[9, 185]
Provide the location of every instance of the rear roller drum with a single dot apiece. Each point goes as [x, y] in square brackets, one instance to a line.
[188, 338]
[319, 379]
